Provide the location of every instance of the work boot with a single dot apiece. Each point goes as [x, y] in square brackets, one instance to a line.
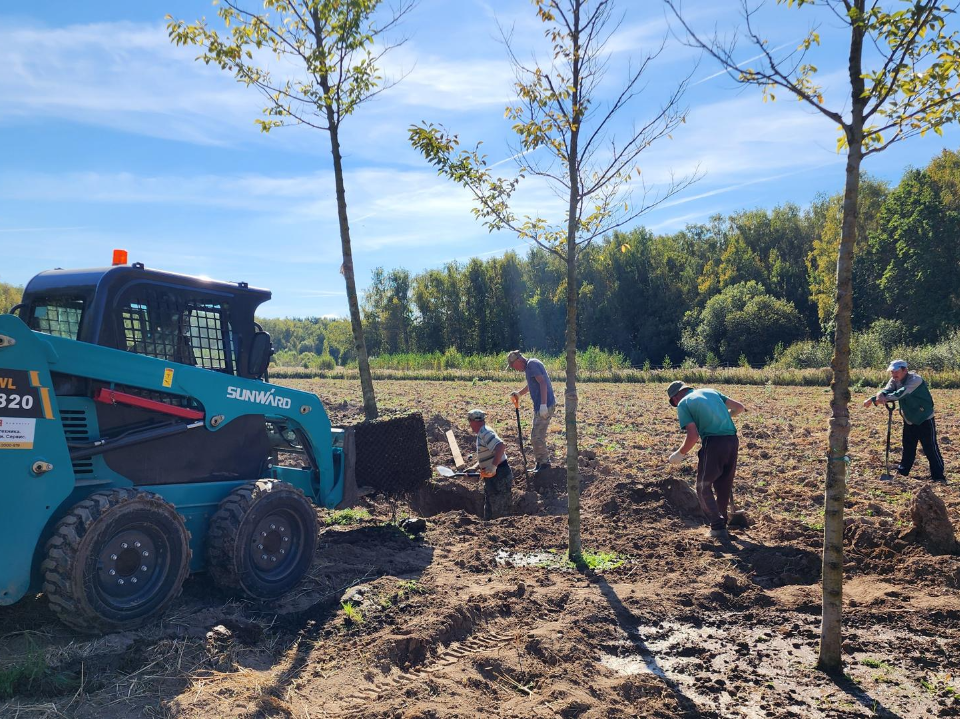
[939, 480]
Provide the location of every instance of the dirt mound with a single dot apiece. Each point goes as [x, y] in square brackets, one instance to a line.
[551, 481]
[680, 496]
[437, 427]
[448, 494]
[931, 522]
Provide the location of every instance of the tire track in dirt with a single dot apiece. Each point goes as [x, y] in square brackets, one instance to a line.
[357, 706]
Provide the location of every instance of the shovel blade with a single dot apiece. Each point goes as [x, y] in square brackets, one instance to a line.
[886, 477]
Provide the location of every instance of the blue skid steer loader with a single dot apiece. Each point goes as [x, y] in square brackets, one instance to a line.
[140, 441]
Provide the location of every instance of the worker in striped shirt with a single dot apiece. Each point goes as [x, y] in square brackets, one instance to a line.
[494, 468]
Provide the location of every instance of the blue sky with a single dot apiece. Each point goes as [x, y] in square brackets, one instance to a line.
[112, 137]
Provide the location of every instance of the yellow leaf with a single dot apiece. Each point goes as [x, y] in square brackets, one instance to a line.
[624, 248]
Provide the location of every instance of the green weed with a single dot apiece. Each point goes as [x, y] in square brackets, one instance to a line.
[349, 516]
[384, 601]
[598, 560]
[24, 675]
[410, 587]
[352, 614]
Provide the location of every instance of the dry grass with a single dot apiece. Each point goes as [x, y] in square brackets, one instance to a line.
[811, 377]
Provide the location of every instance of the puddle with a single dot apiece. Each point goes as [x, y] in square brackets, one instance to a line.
[630, 665]
[747, 670]
[543, 558]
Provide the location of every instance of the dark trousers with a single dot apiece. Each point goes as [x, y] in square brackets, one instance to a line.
[497, 492]
[926, 434]
[715, 470]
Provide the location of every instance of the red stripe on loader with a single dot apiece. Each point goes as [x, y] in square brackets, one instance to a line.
[112, 397]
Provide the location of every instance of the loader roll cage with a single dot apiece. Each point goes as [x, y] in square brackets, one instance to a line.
[178, 318]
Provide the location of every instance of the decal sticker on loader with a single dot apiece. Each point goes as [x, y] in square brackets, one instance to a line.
[168, 377]
[20, 395]
[262, 397]
[17, 433]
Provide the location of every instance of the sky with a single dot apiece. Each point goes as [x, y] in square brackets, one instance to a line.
[112, 137]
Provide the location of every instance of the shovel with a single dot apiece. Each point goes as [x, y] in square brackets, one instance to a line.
[737, 516]
[447, 472]
[516, 406]
[886, 466]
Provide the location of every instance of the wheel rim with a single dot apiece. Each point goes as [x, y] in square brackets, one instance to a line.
[131, 566]
[276, 545]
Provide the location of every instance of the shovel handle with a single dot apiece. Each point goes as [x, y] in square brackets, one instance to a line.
[523, 454]
[891, 406]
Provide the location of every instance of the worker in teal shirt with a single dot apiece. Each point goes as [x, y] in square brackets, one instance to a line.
[707, 415]
[919, 424]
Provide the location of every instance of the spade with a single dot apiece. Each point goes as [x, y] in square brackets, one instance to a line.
[447, 472]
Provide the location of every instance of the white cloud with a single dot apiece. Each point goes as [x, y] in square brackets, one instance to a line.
[435, 82]
[122, 75]
[129, 77]
[248, 192]
[388, 208]
[739, 138]
[638, 36]
[678, 221]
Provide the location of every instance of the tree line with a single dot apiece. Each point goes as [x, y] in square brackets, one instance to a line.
[737, 288]
[9, 296]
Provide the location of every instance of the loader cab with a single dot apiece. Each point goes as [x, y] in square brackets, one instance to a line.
[178, 318]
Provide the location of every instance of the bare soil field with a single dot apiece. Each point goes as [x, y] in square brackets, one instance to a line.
[476, 618]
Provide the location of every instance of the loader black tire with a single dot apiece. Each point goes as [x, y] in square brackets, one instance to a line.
[117, 560]
[262, 539]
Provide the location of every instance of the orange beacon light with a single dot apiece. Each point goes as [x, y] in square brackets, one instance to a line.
[119, 257]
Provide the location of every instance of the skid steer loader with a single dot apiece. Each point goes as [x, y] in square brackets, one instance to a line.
[139, 441]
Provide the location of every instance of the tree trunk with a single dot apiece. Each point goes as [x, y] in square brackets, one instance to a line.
[370, 411]
[836, 484]
[837, 459]
[575, 549]
[570, 402]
